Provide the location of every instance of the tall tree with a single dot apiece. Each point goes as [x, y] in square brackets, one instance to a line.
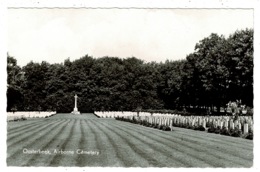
[219, 70]
[212, 71]
[14, 81]
[240, 65]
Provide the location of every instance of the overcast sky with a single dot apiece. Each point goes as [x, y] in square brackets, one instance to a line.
[53, 35]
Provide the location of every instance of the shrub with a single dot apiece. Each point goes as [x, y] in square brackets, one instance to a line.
[236, 132]
[150, 125]
[231, 131]
[211, 129]
[217, 130]
[208, 124]
[175, 125]
[191, 127]
[138, 122]
[200, 128]
[23, 118]
[145, 123]
[196, 127]
[166, 128]
[183, 125]
[250, 135]
[225, 132]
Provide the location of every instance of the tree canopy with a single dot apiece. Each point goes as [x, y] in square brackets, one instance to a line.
[218, 71]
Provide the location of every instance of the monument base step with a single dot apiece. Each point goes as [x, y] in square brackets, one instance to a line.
[75, 112]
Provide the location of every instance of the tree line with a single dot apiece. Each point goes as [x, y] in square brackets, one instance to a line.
[218, 71]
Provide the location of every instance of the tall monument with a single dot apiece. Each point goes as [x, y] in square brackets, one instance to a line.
[75, 110]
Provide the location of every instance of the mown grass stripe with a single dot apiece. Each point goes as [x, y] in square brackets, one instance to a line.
[226, 139]
[16, 150]
[57, 158]
[214, 158]
[221, 139]
[90, 142]
[217, 150]
[25, 130]
[125, 153]
[44, 144]
[16, 126]
[112, 142]
[192, 138]
[243, 143]
[71, 144]
[171, 152]
[228, 157]
[24, 136]
[82, 143]
[166, 149]
[158, 158]
[50, 144]
[108, 153]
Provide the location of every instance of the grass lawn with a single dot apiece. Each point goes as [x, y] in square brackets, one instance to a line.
[85, 140]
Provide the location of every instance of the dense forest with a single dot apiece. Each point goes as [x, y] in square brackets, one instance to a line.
[218, 71]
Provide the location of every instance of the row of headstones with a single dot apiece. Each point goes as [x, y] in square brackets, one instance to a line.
[113, 114]
[166, 121]
[241, 119]
[243, 122]
[30, 114]
[204, 122]
[221, 123]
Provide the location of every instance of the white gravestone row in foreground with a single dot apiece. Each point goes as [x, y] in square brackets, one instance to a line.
[244, 123]
[28, 114]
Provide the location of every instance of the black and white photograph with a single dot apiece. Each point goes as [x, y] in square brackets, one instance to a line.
[130, 87]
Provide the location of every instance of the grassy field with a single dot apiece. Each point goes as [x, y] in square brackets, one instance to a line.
[84, 140]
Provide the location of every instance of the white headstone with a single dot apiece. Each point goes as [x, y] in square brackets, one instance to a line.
[204, 123]
[236, 123]
[239, 126]
[171, 124]
[245, 128]
[226, 124]
[219, 123]
[199, 121]
[231, 124]
[193, 122]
